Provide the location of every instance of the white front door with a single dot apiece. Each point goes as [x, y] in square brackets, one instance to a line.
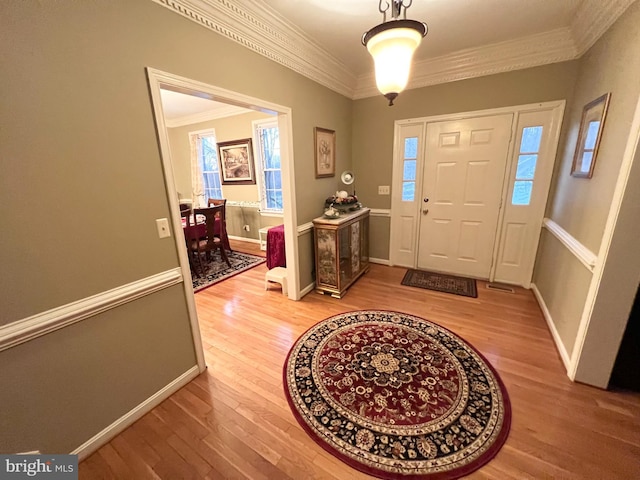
[461, 193]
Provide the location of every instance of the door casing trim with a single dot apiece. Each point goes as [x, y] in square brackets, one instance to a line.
[557, 107]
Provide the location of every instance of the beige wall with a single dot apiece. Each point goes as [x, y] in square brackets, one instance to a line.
[582, 206]
[563, 282]
[373, 120]
[619, 285]
[379, 228]
[81, 185]
[61, 389]
[229, 128]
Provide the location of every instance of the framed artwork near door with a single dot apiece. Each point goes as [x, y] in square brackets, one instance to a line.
[236, 162]
[325, 152]
[591, 125]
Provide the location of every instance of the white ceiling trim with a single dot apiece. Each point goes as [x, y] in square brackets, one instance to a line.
[267, 33]
[219, 112]
[593, 19]
[540, 49]
[255, 26]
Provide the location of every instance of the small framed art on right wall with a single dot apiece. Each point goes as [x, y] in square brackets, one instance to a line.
[591, 126]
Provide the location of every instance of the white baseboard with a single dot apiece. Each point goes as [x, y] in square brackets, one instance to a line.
[244, 239]
[307, 289]
[103, 437]
[552, 328]
[381, 261]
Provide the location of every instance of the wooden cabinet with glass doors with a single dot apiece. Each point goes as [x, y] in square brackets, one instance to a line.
[342, 251]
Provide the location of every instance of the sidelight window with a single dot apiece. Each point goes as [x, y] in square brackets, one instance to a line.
[410, 161]
[526, 169]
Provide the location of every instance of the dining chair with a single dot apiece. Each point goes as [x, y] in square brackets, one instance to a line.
[213, 239]
[190, 232]
[212, 202]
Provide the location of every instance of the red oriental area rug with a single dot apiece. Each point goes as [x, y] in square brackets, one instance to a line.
[393, 394]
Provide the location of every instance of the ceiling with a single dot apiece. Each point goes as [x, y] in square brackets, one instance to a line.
[182, 109]
[321, 39]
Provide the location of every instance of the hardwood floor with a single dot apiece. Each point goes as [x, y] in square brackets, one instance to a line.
[233, 420]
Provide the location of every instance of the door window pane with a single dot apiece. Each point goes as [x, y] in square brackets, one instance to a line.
[522, 192]
[526, 167]
[408, 191]
[411, 147]
[409, 172]
[531, 137]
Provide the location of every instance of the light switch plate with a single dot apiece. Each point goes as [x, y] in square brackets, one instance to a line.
[384, 190]
[163, 228]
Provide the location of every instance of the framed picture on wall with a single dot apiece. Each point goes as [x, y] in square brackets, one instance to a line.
[591, 126]
[236, 162]
[325, 152]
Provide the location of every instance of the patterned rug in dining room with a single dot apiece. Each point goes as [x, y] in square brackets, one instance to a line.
[395, 395]
[440, 282]
[217, 270]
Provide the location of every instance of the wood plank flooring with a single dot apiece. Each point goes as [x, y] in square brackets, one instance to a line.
[233, 420]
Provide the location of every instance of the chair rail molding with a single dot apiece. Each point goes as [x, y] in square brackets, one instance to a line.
[46, 322]
[304, 228]
[582, 253]
[255, 25]
[380, 212]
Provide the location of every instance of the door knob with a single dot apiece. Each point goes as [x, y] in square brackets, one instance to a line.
[425, 200]
[425, 211]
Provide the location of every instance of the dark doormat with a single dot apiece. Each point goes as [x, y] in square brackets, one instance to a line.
[441, 282]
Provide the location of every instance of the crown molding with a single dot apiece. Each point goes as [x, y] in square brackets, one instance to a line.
[593, 19]
[539, 49]
[252, 24]
[222, 112]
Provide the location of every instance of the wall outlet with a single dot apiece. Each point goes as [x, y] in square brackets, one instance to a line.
[246, 228]
[384, 190]
[162, 224]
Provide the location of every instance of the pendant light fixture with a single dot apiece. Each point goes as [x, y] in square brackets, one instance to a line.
[391, 44]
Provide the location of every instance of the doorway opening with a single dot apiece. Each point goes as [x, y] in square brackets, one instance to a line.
[159, 81]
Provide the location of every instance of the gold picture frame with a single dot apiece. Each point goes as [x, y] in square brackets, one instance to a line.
[591, 126]
[236, 162]
[325, 152]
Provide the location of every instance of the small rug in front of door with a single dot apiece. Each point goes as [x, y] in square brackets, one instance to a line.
[441, 282]
[397, 396]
